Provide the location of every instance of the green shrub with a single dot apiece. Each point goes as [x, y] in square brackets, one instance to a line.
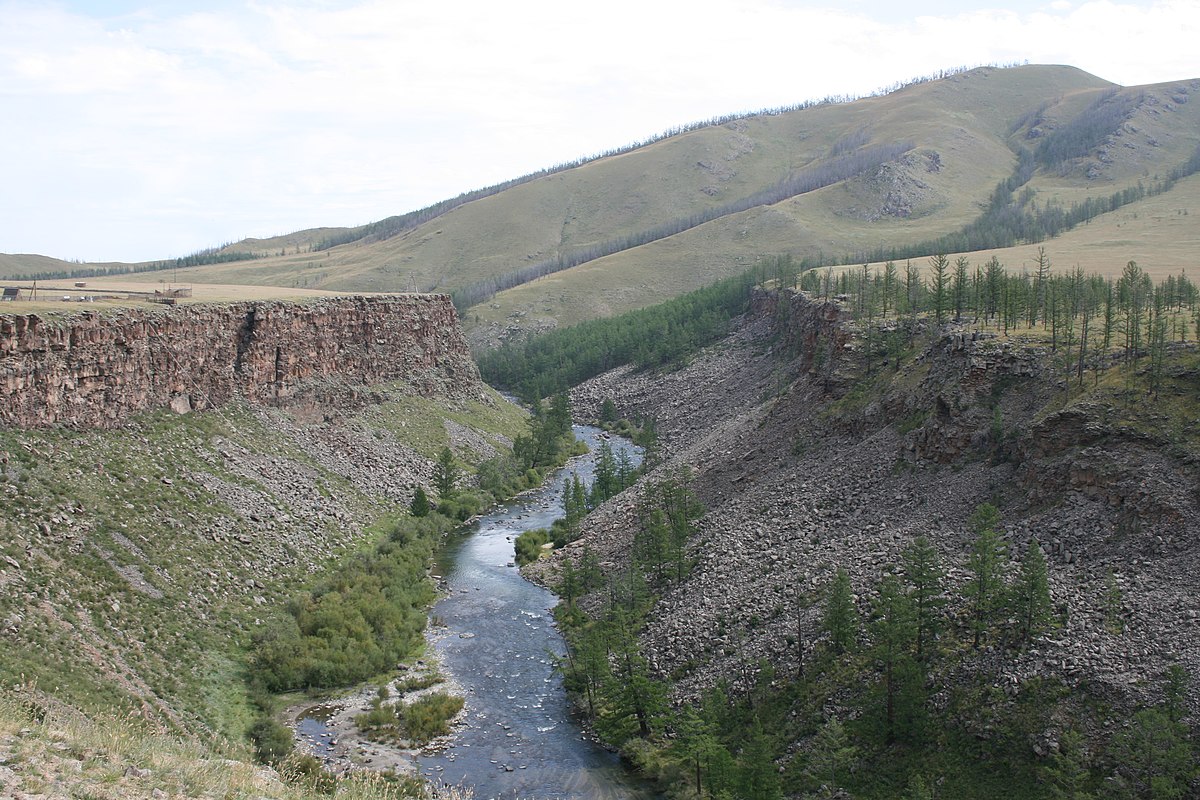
[464, 505]
[528, 546]
[363, 619]
[429, 717]
[272, 740]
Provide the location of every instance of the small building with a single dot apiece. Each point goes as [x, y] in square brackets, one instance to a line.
[11, 293]
[80, 284]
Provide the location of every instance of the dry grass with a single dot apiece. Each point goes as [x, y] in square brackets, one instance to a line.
[49, 750]
[1160, 233]
[123, 292]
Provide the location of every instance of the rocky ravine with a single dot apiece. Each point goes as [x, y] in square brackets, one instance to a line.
[801, 475]
[140, 550]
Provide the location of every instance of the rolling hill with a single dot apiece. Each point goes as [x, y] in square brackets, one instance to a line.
[833, 182]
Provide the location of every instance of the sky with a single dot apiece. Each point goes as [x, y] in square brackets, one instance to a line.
[133, 130]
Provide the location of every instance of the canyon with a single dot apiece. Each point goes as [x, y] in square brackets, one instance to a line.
[811, 455]
[172, 477]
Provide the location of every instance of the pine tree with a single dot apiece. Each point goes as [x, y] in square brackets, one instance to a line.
[924, 573]
[892, 629]
[1066, 774]
[940, 264]
[1154, 756]
[608, 410]
[651, 540]
[841, 617]
[912, 291]
[831, 756]
[446, 474]
[574, 502]
[626, 472]
[1131, 297]
[605, 483]
[758, 777]
[986, 563]
[960, 286]
[1041, 277]
[419, 507]
[1175, 693]
[569, 587]
[994, 280]
[559, 416]
[889, 286]
[695, 741]
[1031, 594]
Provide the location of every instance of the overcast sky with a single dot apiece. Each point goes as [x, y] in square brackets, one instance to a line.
[141, 129]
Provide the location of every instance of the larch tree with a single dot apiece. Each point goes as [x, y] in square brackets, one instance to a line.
[446, 473]
[986, 563]
[1031, 594]
[940, 265]
[841, 617]
[924, 574]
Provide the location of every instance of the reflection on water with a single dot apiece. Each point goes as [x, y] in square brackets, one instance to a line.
[313, 729]
[499, 644]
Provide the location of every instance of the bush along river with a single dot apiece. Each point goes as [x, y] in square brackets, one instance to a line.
[496, 640]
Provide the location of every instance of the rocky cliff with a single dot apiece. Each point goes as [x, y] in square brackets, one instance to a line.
[141, 550]
[813, 451]
[94, 370]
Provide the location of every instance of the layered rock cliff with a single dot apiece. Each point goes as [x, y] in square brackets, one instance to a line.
[94, 370]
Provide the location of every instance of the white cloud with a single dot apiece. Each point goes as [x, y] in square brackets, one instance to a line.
[159, 132]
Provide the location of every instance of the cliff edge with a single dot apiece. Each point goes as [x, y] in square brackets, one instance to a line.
[93, 370]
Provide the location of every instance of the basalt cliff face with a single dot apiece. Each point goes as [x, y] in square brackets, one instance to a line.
[94, 370]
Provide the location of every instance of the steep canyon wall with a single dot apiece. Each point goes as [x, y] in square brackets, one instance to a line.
[93, 369]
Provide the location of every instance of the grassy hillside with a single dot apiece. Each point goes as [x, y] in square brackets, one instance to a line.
[672, 177]
[48, 750]
[961, 136]
[963, 119]
[840, 220]
[137, 564]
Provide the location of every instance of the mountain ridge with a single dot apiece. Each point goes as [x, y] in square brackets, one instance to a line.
[963, 120]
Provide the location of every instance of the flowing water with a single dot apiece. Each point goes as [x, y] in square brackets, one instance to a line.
[520, 739]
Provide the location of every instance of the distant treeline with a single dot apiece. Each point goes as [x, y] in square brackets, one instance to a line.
[212, 255]
[648, 337]
[836, 169]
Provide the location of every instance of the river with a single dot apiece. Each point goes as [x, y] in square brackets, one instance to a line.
[499, 643]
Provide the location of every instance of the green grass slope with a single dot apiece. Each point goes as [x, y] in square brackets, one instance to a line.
[137, 564]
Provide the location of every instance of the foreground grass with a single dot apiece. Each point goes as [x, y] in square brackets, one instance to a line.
[50, 750]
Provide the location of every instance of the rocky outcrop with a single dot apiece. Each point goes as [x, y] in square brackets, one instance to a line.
[806, 463]
[93, 369]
